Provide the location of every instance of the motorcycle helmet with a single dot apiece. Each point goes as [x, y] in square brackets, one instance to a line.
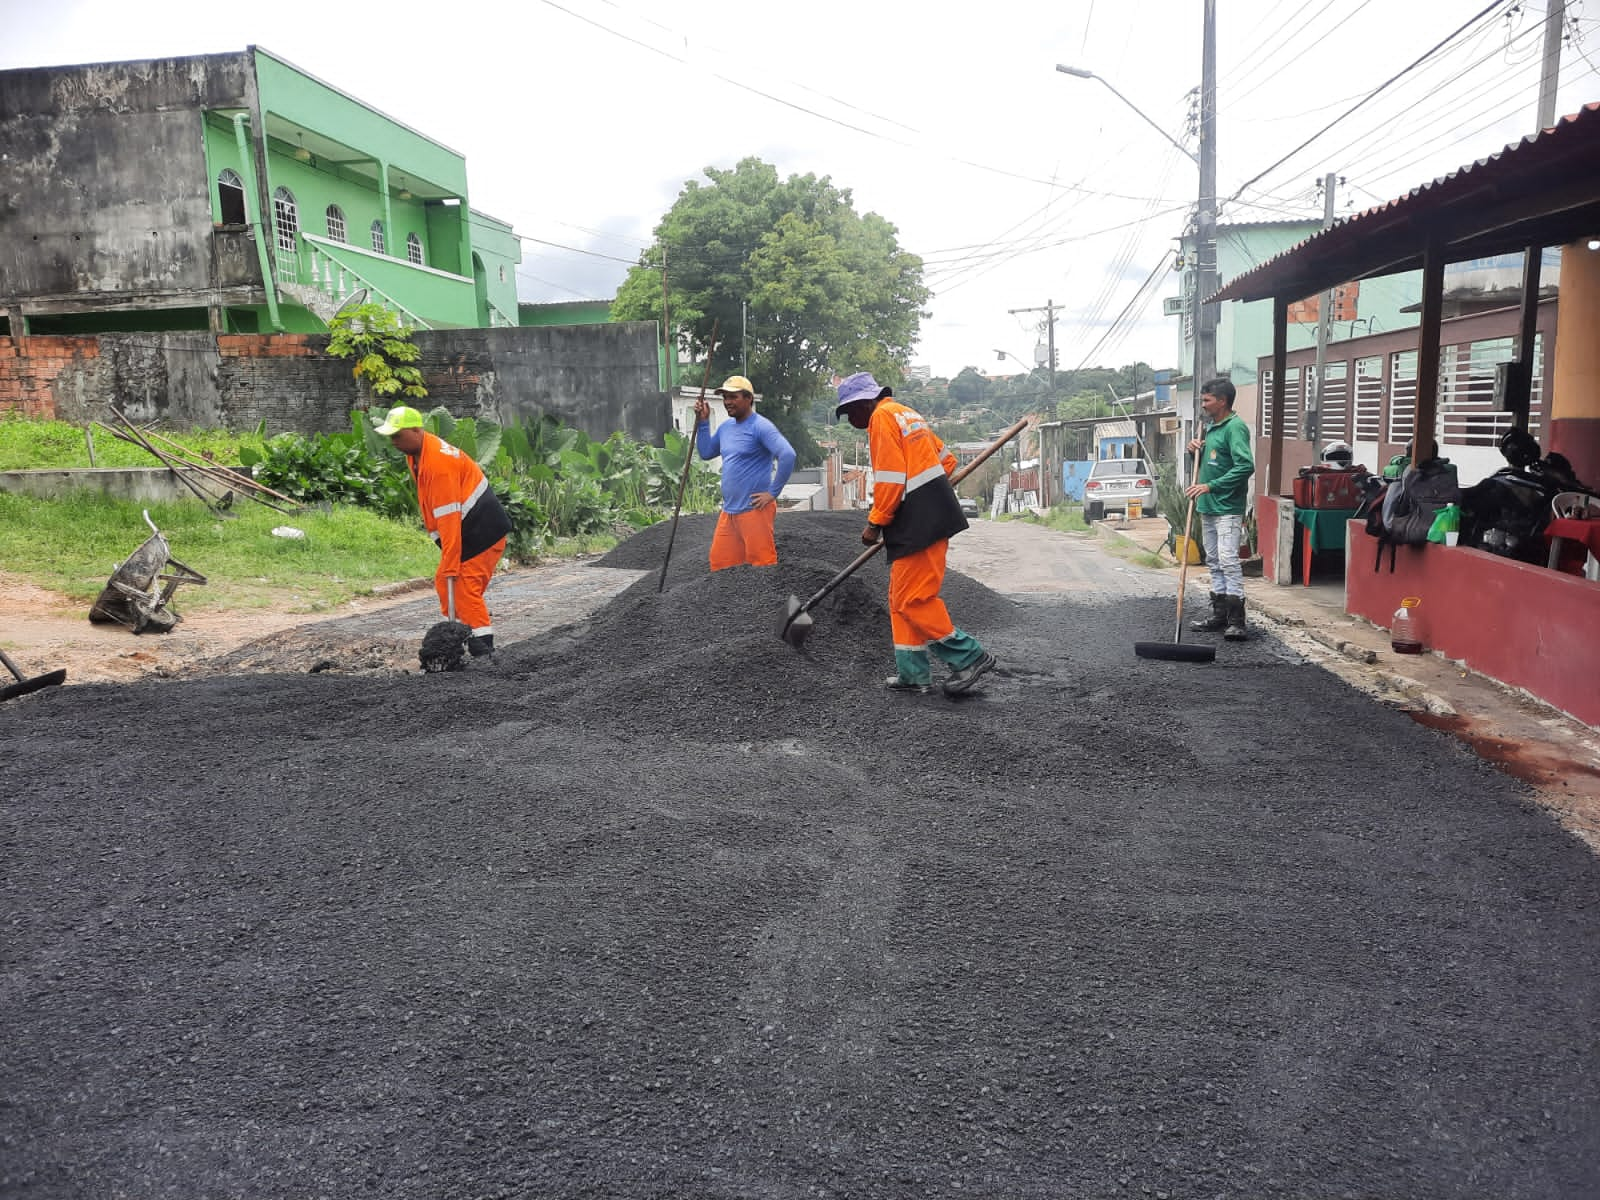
[1338, 454]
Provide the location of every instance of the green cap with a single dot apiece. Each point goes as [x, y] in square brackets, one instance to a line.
[400, 417]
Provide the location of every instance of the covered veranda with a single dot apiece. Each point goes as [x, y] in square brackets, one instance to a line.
[1525, 625]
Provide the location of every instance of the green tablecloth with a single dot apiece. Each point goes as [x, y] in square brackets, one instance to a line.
[1326, 526]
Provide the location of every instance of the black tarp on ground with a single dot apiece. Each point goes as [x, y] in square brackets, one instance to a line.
[659, 906]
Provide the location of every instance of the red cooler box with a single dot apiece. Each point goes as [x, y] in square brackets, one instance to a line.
[1327, 487]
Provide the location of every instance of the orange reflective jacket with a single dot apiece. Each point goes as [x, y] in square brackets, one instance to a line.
[459, 508]
[911, 495]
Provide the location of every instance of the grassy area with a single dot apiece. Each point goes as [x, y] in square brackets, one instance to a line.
[73, 546]
[28, 444]
[1063, 518]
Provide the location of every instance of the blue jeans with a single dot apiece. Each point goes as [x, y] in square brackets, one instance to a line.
[1219, 532]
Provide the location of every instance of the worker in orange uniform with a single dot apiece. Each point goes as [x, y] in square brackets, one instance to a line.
[915, 511]
[463, 516]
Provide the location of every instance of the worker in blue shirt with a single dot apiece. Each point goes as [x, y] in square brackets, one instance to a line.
[756, 463]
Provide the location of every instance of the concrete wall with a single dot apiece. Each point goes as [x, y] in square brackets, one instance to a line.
[1524, 625]
[145, 484]
[598, 378]
[81, 218]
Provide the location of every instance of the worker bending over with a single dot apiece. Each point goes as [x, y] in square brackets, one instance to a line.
[463, 516]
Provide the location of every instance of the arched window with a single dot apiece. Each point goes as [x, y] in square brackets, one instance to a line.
[230, 197]
[377, 237]
[414, 249]
[286, 220]
[335, 216]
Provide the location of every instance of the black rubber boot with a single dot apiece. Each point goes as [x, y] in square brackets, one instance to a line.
[1217, 621]
[1236, 630]
[480, 645]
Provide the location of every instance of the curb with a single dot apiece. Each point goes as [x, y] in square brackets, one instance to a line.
[1416, 693]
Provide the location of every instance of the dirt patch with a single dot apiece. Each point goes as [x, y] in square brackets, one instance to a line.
[44, 631]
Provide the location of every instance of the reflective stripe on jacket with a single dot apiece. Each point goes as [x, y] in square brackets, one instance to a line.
[459, 508]
[911, 496]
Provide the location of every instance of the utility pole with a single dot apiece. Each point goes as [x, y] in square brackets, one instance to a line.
[1519, 390]
[1555, 27]
[1311, 417]
[1205, 315]
[1049, 311]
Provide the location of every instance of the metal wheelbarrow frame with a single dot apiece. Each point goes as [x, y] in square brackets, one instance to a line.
[138, 592]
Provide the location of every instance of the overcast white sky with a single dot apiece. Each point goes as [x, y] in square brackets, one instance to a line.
[581, 120]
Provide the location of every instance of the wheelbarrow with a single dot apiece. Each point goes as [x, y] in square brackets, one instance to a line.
[138, 593]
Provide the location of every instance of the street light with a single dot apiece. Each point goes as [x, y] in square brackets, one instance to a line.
[1002, 355]
[1081, 73]
[1205, 218]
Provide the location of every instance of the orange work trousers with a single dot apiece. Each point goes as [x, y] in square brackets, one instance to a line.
[471, 584]
[917, 615]
[746, 537]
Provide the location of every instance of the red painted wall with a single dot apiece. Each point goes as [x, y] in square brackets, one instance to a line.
[1523, 625]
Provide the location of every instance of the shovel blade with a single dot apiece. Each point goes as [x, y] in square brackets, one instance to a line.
[38, 683]
[797, 623]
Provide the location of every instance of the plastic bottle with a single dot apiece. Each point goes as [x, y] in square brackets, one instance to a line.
[1405, 632]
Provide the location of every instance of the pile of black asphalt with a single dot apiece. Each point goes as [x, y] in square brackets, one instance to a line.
[657, 905]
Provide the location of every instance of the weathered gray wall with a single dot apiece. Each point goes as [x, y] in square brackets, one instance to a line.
[82, 216]
[598, 378]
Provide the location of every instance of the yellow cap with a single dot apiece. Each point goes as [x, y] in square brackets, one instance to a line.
[736, 383]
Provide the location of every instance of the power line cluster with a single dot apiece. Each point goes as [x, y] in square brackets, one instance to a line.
[1439, 99]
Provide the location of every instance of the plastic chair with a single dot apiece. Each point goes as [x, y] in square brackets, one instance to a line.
[1575, 505]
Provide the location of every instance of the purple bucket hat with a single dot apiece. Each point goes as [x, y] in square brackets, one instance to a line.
[860, 386]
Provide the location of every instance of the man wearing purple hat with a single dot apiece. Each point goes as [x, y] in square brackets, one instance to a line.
[915, 511]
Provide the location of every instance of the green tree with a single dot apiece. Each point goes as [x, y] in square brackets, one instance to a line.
[969, 389]
[825, 289]
[381, 345]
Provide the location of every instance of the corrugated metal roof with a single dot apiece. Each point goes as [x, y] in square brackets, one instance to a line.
[1542, 190]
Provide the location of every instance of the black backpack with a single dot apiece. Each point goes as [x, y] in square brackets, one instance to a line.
[1423, 491]
[1404, 512]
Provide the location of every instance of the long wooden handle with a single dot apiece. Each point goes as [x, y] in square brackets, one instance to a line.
[861, 559]
[450, 591]
[1183, 570]
[688, 461]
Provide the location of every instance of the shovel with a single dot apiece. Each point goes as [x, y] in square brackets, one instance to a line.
[1177, 650]
[442, 645]
[24, 685]
[797, 619]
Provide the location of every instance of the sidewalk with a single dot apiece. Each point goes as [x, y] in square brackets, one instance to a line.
[1556, 754]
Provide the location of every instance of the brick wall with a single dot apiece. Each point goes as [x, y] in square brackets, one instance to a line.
[599, 378]
[30, 368]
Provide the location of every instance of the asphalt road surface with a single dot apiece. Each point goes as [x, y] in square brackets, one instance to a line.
[655, 905]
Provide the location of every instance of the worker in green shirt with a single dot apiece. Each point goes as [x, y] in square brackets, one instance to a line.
[1221, 493]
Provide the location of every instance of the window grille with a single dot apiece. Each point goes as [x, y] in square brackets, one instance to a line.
[1402, 395]
[1468, 412]
[230, 197]
[414, 249]
[377, 237]
[335, 216]
[1369, 398]
[1292, 381]
[286, 222]
[1333, 412]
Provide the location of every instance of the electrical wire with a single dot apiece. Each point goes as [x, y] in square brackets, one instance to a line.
[1475, 19]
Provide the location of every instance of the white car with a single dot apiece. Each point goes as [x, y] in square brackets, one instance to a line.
[969, 506]
[1113, 482]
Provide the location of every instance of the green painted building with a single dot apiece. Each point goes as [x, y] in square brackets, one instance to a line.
[233, 192]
